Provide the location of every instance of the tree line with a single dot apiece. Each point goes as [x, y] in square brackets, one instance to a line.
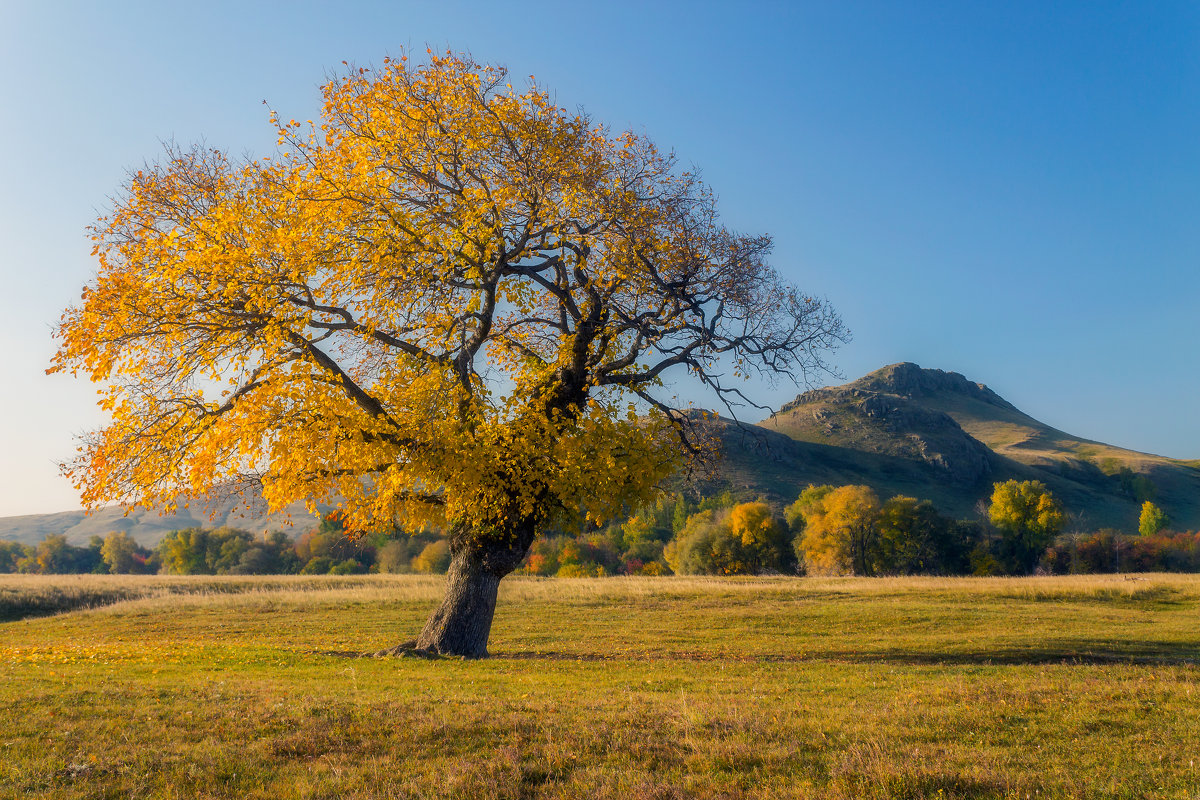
[850, 530]
[827, 530]
[325, 549]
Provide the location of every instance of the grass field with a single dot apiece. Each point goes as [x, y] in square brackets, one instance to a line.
[631, 688]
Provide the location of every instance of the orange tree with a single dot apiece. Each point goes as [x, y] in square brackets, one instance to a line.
[447, 301]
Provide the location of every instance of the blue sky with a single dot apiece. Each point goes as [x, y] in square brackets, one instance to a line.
[1010, 191]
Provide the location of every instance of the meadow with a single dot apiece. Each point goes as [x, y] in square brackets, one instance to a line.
[1057, 687]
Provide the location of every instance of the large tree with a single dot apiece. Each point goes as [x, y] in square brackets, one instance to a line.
[447, 301]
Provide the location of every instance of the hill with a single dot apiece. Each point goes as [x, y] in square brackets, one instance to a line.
[148, 526]
[933, 434]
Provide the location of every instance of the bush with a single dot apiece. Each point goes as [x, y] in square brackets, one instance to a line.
[580, 571]
[318, 566]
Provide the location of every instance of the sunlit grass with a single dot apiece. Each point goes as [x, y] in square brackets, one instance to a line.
[631, 688]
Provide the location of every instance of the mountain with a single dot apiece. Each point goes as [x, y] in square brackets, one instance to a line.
[901, 430]
[937, 435]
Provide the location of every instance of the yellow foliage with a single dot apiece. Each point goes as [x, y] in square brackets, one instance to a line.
[434, 557]
[445, 301]
[1151, 520]
[753, 523]
[1026, 508]
[839, 528]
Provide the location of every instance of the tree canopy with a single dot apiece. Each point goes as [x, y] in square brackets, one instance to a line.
[447, 300]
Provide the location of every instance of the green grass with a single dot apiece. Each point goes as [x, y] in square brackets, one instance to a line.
[624, 688]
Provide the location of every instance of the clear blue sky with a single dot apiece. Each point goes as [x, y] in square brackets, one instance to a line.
[1008, 190]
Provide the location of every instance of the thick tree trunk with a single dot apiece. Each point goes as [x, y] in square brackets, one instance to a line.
[462, 623]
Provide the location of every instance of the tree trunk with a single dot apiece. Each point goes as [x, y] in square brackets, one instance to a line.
[462, 623]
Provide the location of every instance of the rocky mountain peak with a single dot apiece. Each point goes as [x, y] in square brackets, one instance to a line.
[910, 380]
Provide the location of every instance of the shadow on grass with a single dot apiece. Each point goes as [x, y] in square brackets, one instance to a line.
[1075, 651]
[17, 606]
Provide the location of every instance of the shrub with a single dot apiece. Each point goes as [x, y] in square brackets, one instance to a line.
[318, 566]
[575, 570]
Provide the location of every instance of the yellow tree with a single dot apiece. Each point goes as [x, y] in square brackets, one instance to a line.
[1029, 517]
[1152, 520]
[446, 301]
[764, 538]
[841, 529]
[118, 551]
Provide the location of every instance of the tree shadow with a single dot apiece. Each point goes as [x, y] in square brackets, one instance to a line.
[1073, 651]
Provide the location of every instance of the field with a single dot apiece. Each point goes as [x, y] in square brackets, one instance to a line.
[631, 688]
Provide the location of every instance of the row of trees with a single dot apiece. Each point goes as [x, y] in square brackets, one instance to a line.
[850, 530]
[827, 530]
[1111, 551]
[230, 551]
[843, 530]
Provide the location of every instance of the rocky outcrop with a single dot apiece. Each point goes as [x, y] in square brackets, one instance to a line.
[883, 413]
[932, 437]
[909, 380]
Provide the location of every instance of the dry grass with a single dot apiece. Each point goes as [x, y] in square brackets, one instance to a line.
[631, 688]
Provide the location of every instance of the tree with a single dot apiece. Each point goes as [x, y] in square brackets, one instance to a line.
[743, 540]
[1152, 520]
[199, 551]
[841, 529]
[11, 553]
[53, 555]
[1029, 518]
[449, 302]
[118, 551]
[394, 557]
[435, 557]
[766, 543]
[679, 513]
[641, 540]
[809, 501]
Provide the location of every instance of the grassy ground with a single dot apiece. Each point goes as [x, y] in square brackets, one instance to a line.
[631, 688]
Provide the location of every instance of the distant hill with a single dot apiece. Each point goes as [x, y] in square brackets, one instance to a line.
[933, 434]
[901, 430]
[149, 526]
